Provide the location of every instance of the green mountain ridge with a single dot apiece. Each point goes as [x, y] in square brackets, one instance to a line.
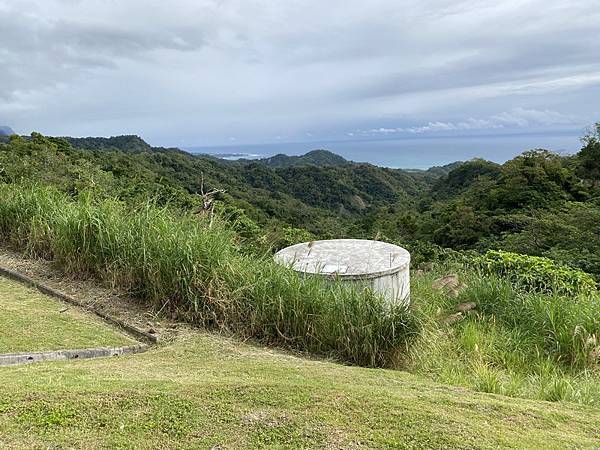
[307, 196]
[314, 157]
[128, 143]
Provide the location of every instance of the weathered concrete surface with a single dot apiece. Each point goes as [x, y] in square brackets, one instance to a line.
[383, 267]
[86, 353]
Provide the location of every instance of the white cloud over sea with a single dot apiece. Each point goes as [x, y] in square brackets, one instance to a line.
[514, 119]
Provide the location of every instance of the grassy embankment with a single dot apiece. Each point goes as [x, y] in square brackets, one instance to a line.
[207, 391]
[33, 322]
[536, 345]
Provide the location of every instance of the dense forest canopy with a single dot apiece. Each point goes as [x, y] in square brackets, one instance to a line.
[539, 203]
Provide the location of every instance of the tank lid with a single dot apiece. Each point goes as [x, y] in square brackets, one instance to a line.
[345, 258]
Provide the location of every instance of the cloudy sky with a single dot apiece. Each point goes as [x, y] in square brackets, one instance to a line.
[209, 72]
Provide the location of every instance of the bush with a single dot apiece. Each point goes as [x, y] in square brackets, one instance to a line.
[537, 273]
[192, 267]
[289, 236]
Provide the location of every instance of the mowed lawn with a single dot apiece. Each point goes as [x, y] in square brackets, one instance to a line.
[208, 391]
[31, 322]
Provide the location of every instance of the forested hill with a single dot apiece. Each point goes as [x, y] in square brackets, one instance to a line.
[441, 171]
[326, 200]
[539, 203]
[126, 143]
[314, 158]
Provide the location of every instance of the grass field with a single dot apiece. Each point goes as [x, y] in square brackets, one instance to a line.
[31, 322]
[207, 391]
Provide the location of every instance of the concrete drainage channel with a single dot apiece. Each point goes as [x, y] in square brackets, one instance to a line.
[12, 359]
[87, 353]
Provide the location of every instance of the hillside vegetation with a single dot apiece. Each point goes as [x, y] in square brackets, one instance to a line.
[191, 267]
[156, 223]
[325, 200]
[539, 203]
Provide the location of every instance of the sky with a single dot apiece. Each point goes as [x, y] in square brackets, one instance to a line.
[218, 72]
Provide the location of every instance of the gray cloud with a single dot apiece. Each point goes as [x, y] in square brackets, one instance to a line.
[203, 71]
[41, 52]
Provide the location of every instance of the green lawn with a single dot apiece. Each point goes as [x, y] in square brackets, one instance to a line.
[203, 391]
[31, 321]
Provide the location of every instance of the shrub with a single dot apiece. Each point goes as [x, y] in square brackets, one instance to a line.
[291, 235]
[424, 253]
[537, 273]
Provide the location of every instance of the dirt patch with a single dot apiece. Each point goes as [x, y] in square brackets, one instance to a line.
[264, 418]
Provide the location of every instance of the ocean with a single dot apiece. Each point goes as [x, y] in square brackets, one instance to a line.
[413, 152]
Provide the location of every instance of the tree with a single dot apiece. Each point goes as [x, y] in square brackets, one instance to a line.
[589, 156]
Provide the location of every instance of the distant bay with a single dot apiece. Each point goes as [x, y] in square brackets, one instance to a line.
[411, 152]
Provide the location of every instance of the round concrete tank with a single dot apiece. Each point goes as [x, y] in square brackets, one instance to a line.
[381, 266]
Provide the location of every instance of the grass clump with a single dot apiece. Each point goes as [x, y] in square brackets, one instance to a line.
[191, 266]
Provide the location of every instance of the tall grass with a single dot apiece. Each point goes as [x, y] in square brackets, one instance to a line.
[191, 266]
[517, 343]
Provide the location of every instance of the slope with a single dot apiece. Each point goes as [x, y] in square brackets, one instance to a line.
[207, 391]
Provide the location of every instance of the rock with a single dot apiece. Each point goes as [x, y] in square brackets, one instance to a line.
[447, 282]
[450, 284]
[464, 307]
[455, 291]
[452, 318]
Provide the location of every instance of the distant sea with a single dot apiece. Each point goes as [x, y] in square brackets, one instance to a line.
[410, 153]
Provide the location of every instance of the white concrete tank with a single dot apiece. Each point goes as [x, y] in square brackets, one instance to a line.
[383, 267]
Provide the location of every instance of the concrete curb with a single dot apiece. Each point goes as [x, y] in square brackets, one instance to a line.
[138, 333]
[86, 353]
